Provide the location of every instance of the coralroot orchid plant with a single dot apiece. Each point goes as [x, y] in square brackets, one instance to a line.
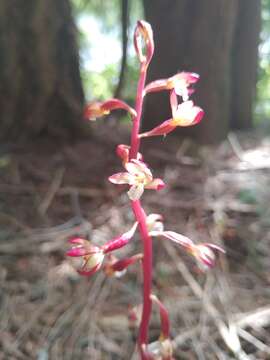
[138, 178]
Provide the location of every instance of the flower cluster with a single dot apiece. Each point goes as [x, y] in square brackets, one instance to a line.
[138, 177]
[93, 256]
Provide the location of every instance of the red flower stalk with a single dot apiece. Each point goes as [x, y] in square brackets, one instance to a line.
[138, 177]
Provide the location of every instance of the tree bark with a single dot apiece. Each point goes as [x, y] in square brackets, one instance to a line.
[40, 85]
[198, 36]
[244, 63]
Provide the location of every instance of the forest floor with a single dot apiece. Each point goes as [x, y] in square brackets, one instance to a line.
[51, 192]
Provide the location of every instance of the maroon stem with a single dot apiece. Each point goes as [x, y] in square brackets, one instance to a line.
[135, 140]
[147, 273]
[141, 218]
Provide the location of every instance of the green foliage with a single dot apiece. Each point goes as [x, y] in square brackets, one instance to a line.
[248, 196]
[263, 84]
[106, 11]
[101, 84]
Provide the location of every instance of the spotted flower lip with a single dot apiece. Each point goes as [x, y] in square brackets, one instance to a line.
[206, 254]
[92, 256]
[186, 113]
[183, 115]
[139, 177]
[180, 83]
[98, 109]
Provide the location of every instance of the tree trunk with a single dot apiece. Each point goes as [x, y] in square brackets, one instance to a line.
[244, 63]
[40, 85]
[198, 36]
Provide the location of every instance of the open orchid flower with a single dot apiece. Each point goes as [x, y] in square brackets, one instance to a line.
[98, 109]
[123, 152]
[139, 177]
[158, 350]
[93, 256]
[184, 114]
[180, 83]
[204, 253]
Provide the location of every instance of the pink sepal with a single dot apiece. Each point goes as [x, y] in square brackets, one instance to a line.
[115, 266]
[146, 355]
[178, 238]
[120, 178]
[89, 272]
[119, 241]
[165, 128]
[113, 104]
[164, 317]
[82, 247]
[97, 109]
[157, 85]
[156, 184]
[78, 251]
[179, 82]
[77, 240]
[206, 253]
[186, 113]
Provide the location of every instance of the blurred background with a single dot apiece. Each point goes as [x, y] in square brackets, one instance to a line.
[55, 57]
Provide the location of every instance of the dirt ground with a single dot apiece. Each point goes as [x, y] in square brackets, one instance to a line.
[50, 192]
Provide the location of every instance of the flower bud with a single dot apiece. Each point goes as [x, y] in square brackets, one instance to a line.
[143, 38]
